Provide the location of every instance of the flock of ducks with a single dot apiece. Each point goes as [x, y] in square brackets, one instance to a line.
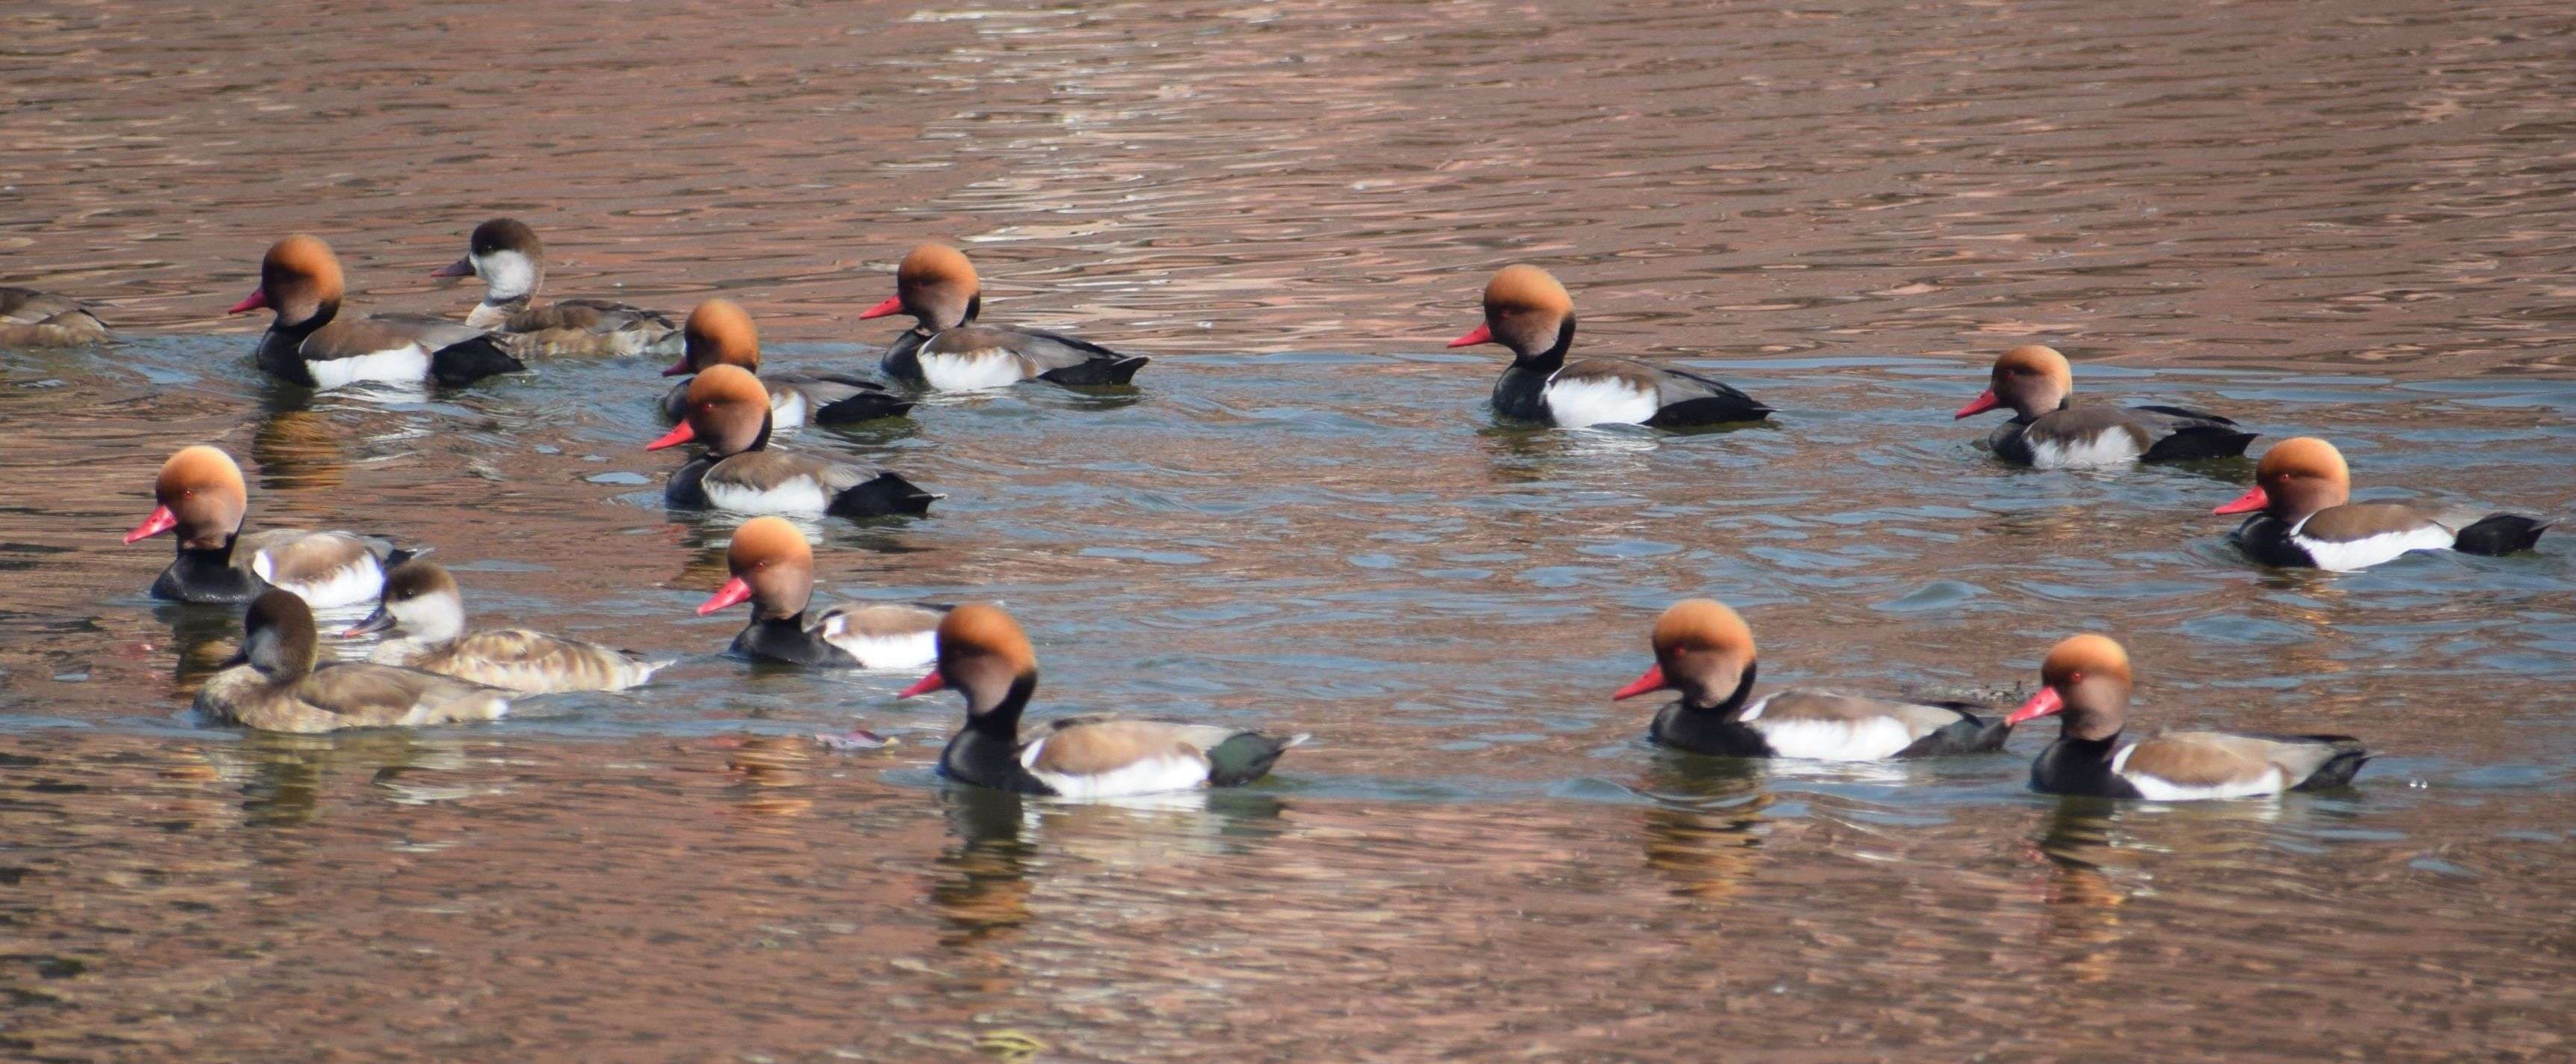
[434, 669]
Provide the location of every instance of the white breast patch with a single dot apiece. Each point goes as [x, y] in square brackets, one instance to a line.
[2152, 788]
[2108, 447]
[786, 408]
[1150, 776]
[348, 585]
[1598, 401]
[971, 370]
[2372, 550]
[883, 652]
[801, 495]
[1871, 739]
[408, 364]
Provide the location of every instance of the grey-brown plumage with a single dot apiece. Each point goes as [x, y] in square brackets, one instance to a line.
[511, 261]
[29, 318]
[425, 612]
[273, 685]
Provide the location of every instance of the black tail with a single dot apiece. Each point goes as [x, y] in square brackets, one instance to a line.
[2199, 441]
[2338, 770]
[2500, 534]
[1709, 410]
[472, 360]
[865, 406]
[886, 496]
[1108, 370]
[1246, 757]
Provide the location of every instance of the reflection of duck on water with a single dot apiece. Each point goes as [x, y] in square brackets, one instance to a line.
[1704, 828]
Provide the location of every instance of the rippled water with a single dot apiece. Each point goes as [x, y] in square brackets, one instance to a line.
[2345, 219]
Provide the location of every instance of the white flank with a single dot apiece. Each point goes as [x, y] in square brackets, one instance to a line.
[2157, 789]
[1150, 776]
[408, 364]
[954, 372]
[2372, 550]
[908, 651]
[2108, 447]
[350, 584]
[786, 409]
[1872, 739]
[799, 496]
[1598, 401]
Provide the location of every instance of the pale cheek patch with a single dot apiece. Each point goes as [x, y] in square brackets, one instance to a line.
[1574, 404]
[507, 275]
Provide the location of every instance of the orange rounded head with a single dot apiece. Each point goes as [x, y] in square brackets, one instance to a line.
[2085, 677]
[300, 279]
[985, 656]
[200, 493]
[2297, 477]
[725, 408]
[937, 286]
[769, 563]
[1526, 310]
[719, 333]
[2032, 379]
[1703, 650]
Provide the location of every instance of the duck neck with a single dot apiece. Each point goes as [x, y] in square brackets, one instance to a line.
[1552, 359]
[1732, 703]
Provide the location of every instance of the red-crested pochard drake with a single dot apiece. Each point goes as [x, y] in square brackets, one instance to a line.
[728, 412]
[945, 350]
[273, 685]
[506, 254]
[984, 655]
[311, 344]
[1527, 311]
[770, 564]
[29, 318]
[2301, 488]
[200, 495]
[2049, 430]
[2087, 682]
[719, 333]
[1705, 652]
[425, 611]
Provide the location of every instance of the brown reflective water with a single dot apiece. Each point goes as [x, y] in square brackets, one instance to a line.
[2347, 219]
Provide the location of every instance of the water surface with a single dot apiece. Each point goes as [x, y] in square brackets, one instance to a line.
[2347, 220]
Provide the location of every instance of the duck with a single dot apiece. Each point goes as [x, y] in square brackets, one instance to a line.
[770, 565]
[719, 332]
[1529, 312]
[30, 318]
[946, 350]
[2049, 430]
[985, 657]
[510, 259]
[425, 611]
[728, 411]
[311, 344]
[200, 495]
[2086, 680]
[1704, 651]
[273, 684]
[2304, 517]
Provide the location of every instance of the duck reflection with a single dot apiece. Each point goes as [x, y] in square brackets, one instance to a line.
[203, 637]
[771, 773]
[284, 777]
[1004, 840]
[2103, 852]
[1704, 827]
